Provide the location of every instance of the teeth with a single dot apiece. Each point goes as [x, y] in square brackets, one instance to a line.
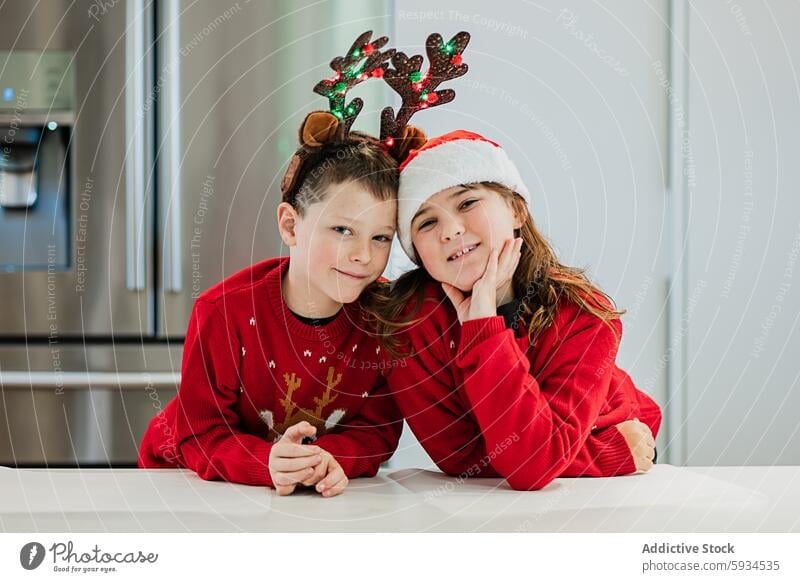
[463, 252]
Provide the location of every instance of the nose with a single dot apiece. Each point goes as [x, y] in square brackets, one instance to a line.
[450, 228]
[360, 252]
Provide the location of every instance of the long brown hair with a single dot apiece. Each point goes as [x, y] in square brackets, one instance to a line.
[540, 282]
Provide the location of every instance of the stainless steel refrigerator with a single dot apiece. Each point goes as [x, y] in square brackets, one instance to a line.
[142, 147]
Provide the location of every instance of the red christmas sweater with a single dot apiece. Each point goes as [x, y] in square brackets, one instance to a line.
[251, 369]
[483, 401]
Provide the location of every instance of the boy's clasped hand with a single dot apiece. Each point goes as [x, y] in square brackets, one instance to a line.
[292, 463]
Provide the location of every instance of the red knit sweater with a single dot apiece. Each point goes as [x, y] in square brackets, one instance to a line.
[483, 401]
[251, 369]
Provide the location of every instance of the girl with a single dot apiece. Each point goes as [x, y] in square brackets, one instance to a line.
[511, 370]
[280, 353]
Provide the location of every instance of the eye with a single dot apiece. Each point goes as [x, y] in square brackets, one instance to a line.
[345, 230]
[383, 238]
[467, 203]
[426, 223]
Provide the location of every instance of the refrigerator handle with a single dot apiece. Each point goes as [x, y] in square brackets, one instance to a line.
[135, 128]
[27, 380]
[170, 187]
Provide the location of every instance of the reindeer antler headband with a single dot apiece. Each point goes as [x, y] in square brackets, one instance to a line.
[418, 91]
[363, 61]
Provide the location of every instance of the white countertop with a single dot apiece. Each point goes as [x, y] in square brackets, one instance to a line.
[668, 499]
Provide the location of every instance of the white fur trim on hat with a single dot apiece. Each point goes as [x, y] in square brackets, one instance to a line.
[462, 160]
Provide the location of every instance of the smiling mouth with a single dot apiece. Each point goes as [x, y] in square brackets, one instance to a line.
[351, 275]
[462, 252]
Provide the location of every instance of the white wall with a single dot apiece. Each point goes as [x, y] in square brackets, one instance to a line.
[743, 403]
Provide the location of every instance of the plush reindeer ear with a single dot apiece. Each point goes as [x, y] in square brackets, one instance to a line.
[318, 128]
[413, 138]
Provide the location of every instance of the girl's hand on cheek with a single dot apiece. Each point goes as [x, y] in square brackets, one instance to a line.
[484, 293]
[499, 272]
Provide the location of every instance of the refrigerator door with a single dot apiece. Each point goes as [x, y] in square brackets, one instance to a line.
[75, 259]
[234, 82]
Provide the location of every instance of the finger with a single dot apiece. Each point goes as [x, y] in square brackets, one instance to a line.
[317, 473]
[337, 489]
[455, 295]
[490, 274]
[646, 465]
[516, 255]
[645, 436]
[287, 465]
[506, 259]
[335, 475]
[284, 490]
[513, 261]
[296, 432]
[333, 488]
[509, 252]
[288, 449]
[292, 478]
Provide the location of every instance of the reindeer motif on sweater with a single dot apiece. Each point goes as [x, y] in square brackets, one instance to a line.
[321, 416]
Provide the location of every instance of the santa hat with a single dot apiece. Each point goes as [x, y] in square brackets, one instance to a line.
[452, 159]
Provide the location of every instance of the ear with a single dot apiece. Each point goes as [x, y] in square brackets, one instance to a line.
[318, 128]
[287, 223]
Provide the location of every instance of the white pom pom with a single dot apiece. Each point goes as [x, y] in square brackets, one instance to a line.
[334, 418]
[266, 416]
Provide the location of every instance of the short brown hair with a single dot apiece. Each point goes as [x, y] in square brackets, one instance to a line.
[360, 159]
